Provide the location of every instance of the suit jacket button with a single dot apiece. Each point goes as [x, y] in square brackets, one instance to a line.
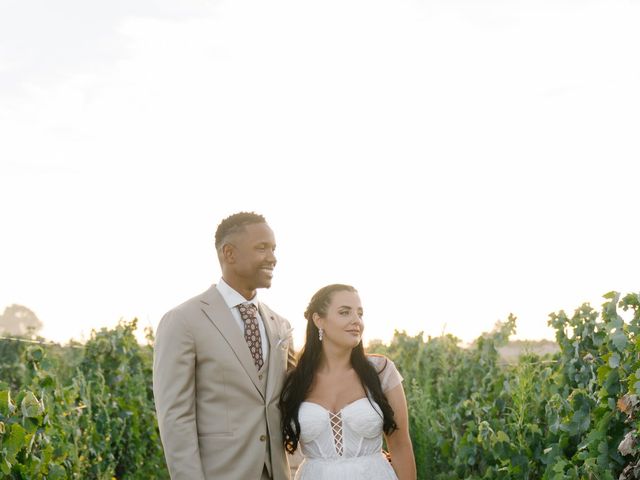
[260, 377]
[263, 438]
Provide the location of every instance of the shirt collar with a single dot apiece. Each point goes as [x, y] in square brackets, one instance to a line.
[231, 297]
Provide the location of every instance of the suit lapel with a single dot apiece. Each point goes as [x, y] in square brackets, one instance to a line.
[274, 349]
[217, 311]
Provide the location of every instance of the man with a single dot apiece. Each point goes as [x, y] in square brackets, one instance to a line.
[219, 364]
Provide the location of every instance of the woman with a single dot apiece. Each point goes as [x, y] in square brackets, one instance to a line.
[338, 402]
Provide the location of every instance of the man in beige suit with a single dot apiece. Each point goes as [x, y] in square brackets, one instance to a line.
[219, 363]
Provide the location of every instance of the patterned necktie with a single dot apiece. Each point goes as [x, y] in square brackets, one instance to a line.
[248, 313]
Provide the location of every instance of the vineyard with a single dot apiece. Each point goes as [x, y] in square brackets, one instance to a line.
[86, 411]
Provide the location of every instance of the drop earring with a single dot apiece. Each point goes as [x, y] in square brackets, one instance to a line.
[320, 334]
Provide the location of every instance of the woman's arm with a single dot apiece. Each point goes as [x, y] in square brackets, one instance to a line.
[399, 442]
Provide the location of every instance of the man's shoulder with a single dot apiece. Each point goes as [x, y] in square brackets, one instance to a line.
[194, 303]
[185, 317]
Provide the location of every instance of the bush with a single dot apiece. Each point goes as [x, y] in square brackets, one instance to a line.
[87, 411]
[80, 412]
[571, 416]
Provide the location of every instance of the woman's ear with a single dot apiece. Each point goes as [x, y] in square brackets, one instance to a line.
[317, 320]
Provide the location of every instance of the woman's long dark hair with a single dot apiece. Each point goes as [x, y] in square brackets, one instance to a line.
[299, 380]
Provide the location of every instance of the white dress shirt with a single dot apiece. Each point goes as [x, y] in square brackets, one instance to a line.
[232, 298]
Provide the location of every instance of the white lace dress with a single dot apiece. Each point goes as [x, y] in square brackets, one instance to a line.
[346, 445]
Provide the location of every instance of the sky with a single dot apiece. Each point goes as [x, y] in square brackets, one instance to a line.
[454, 160]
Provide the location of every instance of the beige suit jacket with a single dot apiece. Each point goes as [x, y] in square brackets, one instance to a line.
[217, 418]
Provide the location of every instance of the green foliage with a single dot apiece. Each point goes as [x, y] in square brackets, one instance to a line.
[571, 416]
[79, 412]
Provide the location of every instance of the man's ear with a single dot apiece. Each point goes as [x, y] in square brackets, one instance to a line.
[228, 253]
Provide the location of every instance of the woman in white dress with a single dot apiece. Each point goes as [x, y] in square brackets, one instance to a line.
[339, 402]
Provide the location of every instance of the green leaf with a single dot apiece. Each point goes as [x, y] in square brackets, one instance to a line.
[14, 443]
[604, 371]
[56, 472]
[580, 422]
[5, 466]
[617, 322]
[614, 360]
[612, 383]
[611, 295]
[6, 405]
[31, 407]
[35, 354]
[619, 339]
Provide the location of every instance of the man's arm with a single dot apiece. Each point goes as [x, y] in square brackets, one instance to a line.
[174, 363]
[292, 360]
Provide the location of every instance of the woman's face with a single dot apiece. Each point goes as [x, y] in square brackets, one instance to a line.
[343, 323]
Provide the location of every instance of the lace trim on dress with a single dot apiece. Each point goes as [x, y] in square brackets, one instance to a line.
[336, 428]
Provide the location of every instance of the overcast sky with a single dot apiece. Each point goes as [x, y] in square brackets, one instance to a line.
[454, 160]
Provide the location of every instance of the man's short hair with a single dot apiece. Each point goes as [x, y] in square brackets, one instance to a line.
[234, 224]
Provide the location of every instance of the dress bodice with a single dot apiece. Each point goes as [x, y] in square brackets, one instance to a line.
[354, 431]
[346, 445]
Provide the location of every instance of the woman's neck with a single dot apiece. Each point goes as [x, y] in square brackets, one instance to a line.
[334, 360]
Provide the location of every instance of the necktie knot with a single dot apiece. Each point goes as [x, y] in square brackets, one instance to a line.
[248, 311]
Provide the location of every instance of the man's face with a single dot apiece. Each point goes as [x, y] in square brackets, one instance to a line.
[253, 257]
